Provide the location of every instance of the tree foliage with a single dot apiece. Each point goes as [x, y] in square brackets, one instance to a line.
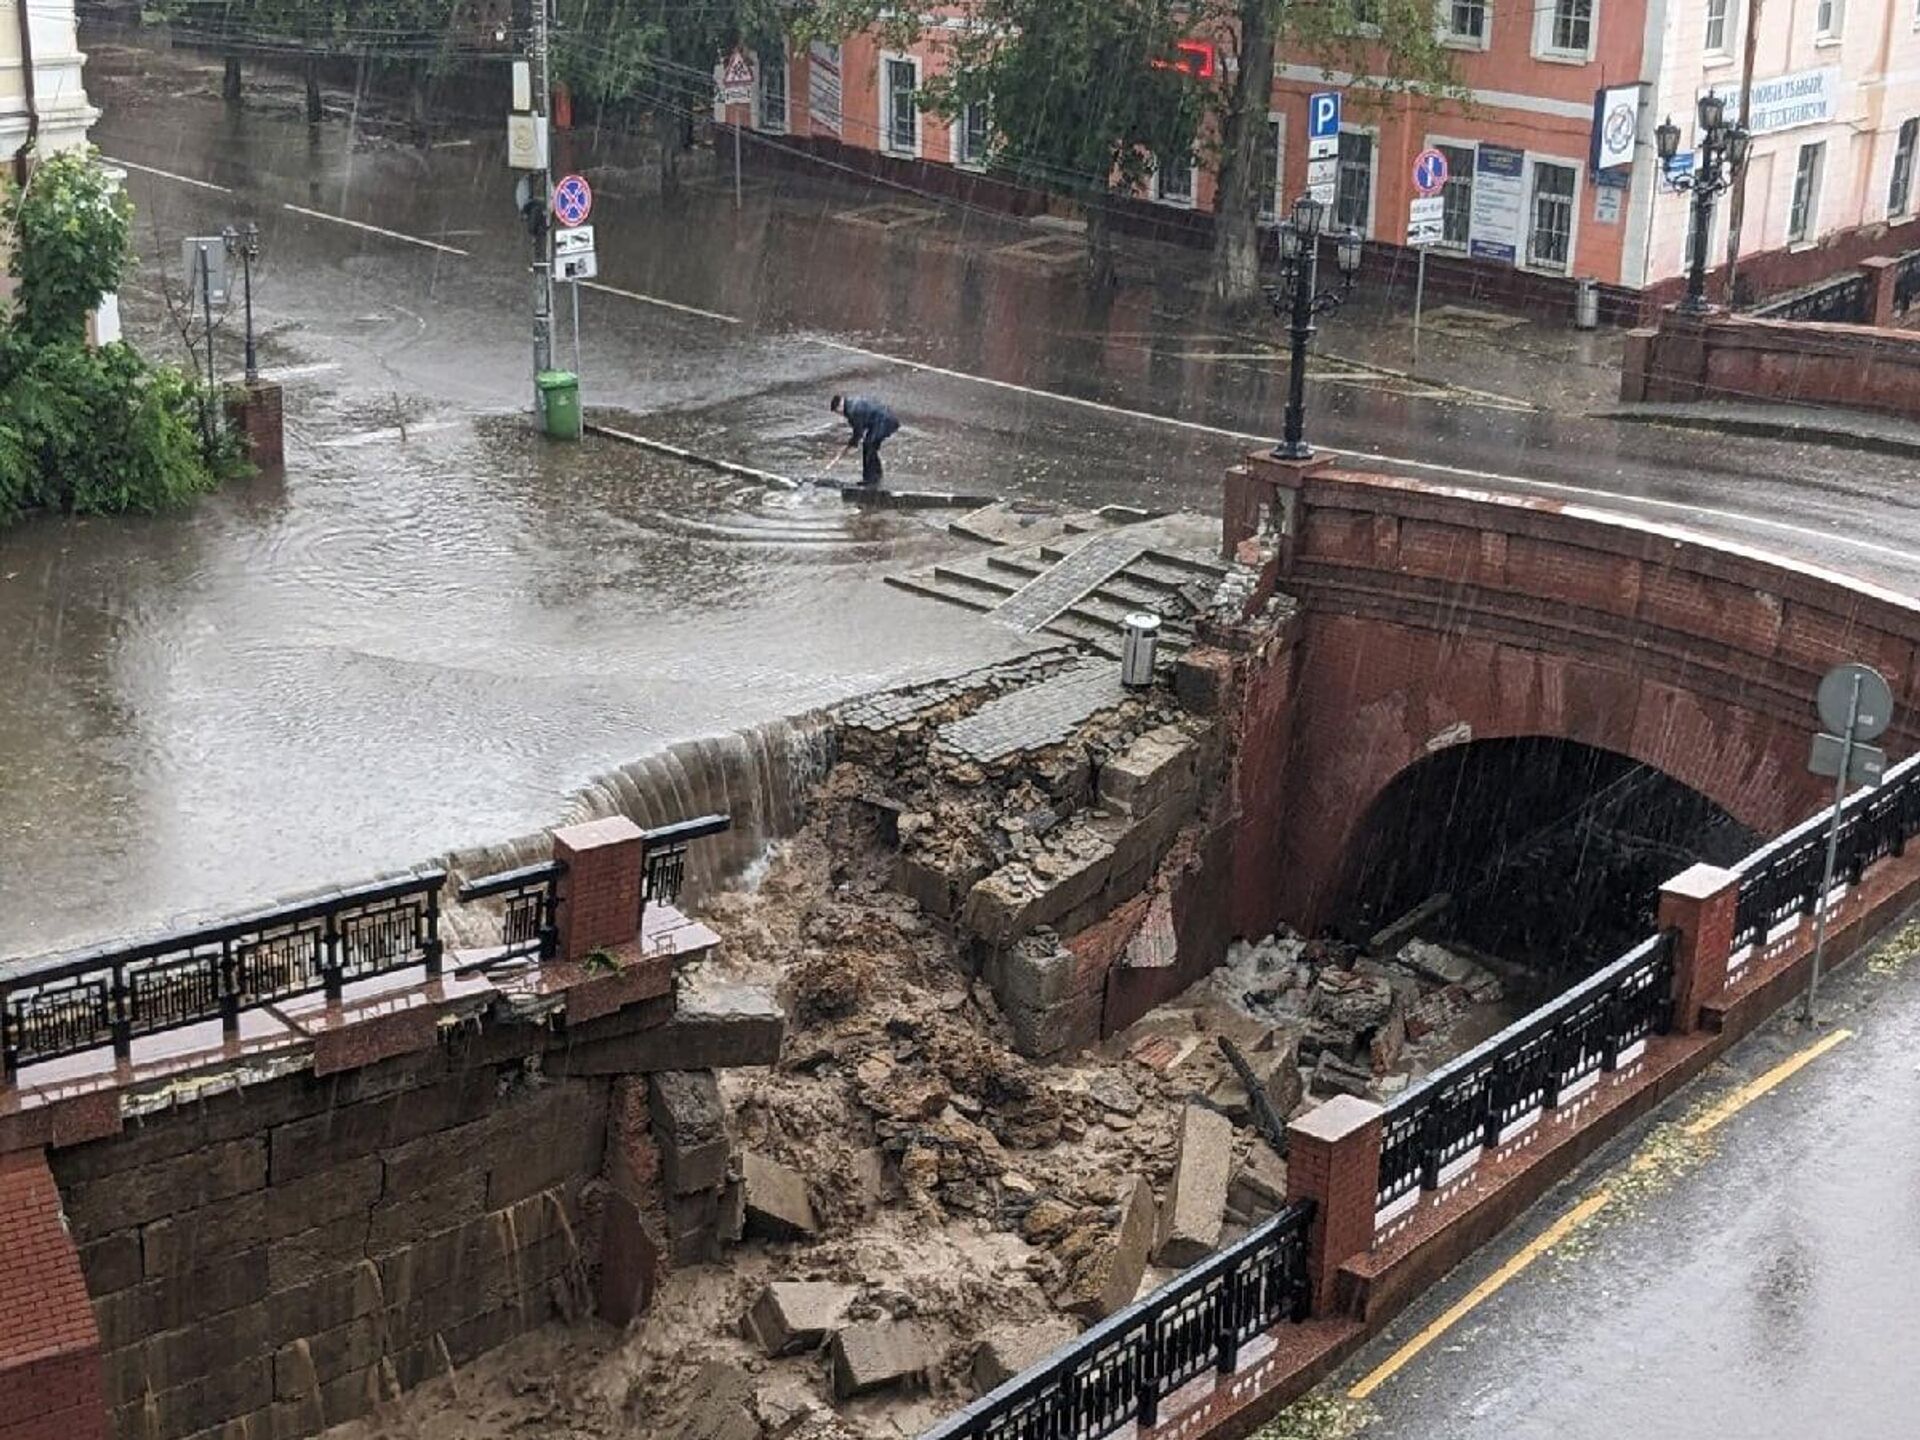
[82, 427]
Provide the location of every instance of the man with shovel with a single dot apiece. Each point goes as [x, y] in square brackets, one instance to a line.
[872, 423]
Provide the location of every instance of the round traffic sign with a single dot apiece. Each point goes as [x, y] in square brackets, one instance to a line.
[1835, 701]
[1429, 172]
[572, 200]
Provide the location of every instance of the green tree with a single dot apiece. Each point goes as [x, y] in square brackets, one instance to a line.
[1393, 47]
[83, 427]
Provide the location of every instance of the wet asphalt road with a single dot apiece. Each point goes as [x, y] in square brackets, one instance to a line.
[434, 626]
[1759, 1287]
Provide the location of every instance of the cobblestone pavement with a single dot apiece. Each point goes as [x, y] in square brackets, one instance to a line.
[1053, 590]
[1038, 715]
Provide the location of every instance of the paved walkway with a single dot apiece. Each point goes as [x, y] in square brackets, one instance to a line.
[1037, 716]
[1849, 429]
[1744, 1267]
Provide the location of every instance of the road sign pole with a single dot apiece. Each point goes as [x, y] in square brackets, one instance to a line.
[1833, 850]
[736, 166]
[575, 287]
[542, 242]
[1419, 298]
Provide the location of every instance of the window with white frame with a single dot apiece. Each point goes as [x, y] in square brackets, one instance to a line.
[972, 134]
[1563, 29]
[1366, 14]
[1828, 17]
[1465, 21]
[899, 105]
[1353, 192]
[1456, 200]
[1173, 179]
[1900, 186]
[1273, 164]
[773, 91]
[1716, 42]
[1803, 220]
[1550, 228]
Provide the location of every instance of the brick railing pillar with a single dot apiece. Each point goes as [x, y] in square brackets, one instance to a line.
[1636, 362]
[255, 411]
[50, 1382]
[1882, 271]
[1699, 902]
[1333, 1159]
[600, 893]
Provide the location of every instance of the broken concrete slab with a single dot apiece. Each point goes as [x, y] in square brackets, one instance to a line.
[716, 1027]
[881, 1354]
[795, 1315]
[1005, 1355]
[778, 1207]
[719, 1406]
[1351, 1002]
[1106, 1279]
[1276, 1068]
[1197, 1201]
[689, 1123]
[1259, 1185]
[1334, 1076]
[1041, 889]
[1158, 768]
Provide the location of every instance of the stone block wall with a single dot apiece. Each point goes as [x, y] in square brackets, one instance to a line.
[272, 1264]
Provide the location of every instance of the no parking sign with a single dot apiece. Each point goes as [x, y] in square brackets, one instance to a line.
[572, 200]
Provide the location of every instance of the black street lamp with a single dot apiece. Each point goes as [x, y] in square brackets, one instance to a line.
[1296, 299]
[246, 244]
[1722, 156]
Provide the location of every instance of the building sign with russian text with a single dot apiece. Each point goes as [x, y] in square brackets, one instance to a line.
[1786, 102]
[823, 87]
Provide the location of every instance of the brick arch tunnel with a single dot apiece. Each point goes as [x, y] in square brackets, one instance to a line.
[1536, 848]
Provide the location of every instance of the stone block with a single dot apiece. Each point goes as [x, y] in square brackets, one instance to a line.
[1106, 1281]
[1203, 680]
[1073, 1023]
[196, 1238]
[168, 1302]
[325, 1302]
[1259, 1185]
[1041, 890]
[1159, 768]
[409, 1216]
[112, 1263]
[1037, 974]
[124, 1198]
[795, 1315]
[689, 1123]
[777, 1204]
[203, 1402]
[307, 1254]
[937, 885]
[719, 1406]
[882, 1354]
[348, 1132]
[1276, 1068]
[323, 1197]
[715, 1028]
[1002, 1356]
[1197, 1202]
[631, 1254]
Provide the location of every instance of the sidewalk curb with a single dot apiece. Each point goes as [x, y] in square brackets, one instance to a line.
[1804, 432]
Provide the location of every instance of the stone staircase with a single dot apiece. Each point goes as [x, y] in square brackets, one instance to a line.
[1164, 565]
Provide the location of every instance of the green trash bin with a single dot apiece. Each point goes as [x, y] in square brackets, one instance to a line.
[560, 403]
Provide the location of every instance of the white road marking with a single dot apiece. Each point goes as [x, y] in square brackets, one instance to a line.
[656, 300]
[167, 175]
[373, 229]
[1612, 497]
[375, 437]
[294, 372]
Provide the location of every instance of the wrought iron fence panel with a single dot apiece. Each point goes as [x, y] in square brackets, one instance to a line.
[1906, 282]
[113, 995]
[529, 905]
[1842, 300]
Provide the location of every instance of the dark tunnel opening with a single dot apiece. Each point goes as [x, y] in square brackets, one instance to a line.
[1552, 852]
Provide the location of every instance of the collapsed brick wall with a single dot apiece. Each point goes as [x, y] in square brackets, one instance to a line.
[275, 1262]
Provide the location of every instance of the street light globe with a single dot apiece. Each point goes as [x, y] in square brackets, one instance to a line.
[1666, 140]
[1306, 216]
[1737, 144]
[1713, 112]
[1289, 241]
[1347, 251]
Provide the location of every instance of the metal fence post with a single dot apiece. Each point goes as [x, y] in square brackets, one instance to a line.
[1146, 1377]
[330, 957]
[431, 947]
[229, 990]
[120, 1001]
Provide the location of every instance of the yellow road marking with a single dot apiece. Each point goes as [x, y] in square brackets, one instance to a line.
[1733, 1104]
[1708, 1120]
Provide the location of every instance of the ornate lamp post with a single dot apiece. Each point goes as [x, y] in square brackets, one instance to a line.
[1722, 155]
[1297, 300]
[246, 244]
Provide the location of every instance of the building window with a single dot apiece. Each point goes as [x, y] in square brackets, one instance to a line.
[1353, 196]
[1272, 170]
[1716, 27]
[1456, 214]
[1550, 240]
[1900, 189]
[1565, 29]
[899, 107]
[1466, 20]
[1804, 219]
[1173, 180]
[773, 92]
[1828, 17]
[972, 134]
[1366, 14]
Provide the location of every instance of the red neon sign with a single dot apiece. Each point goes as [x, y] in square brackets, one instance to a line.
[1198, 58]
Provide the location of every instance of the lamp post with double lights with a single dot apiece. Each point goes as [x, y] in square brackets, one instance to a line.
[1722, 154]
[246, 244]
[1298, 300]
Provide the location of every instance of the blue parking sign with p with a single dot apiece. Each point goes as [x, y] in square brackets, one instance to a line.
[1323, 115]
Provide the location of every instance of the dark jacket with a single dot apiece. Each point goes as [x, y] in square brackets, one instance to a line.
[872, 422]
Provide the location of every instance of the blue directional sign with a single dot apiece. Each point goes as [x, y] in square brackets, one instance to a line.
[1430, 172]
[1323, 115]
[572, 200]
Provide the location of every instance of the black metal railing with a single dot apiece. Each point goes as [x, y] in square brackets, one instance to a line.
[1782, 878]
[1906, 282]
[666, 852]
[113, 995]
[1467, 1104]
[1844, 299]
[529, 909]
[1117, 1373]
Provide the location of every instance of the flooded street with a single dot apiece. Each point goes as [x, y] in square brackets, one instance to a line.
[435, 626]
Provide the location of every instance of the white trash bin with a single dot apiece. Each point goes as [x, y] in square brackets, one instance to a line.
[1586, 304]
[1136, 653]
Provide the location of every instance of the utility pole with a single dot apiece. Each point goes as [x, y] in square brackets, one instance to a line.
[1737, 202]
[543, 191]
